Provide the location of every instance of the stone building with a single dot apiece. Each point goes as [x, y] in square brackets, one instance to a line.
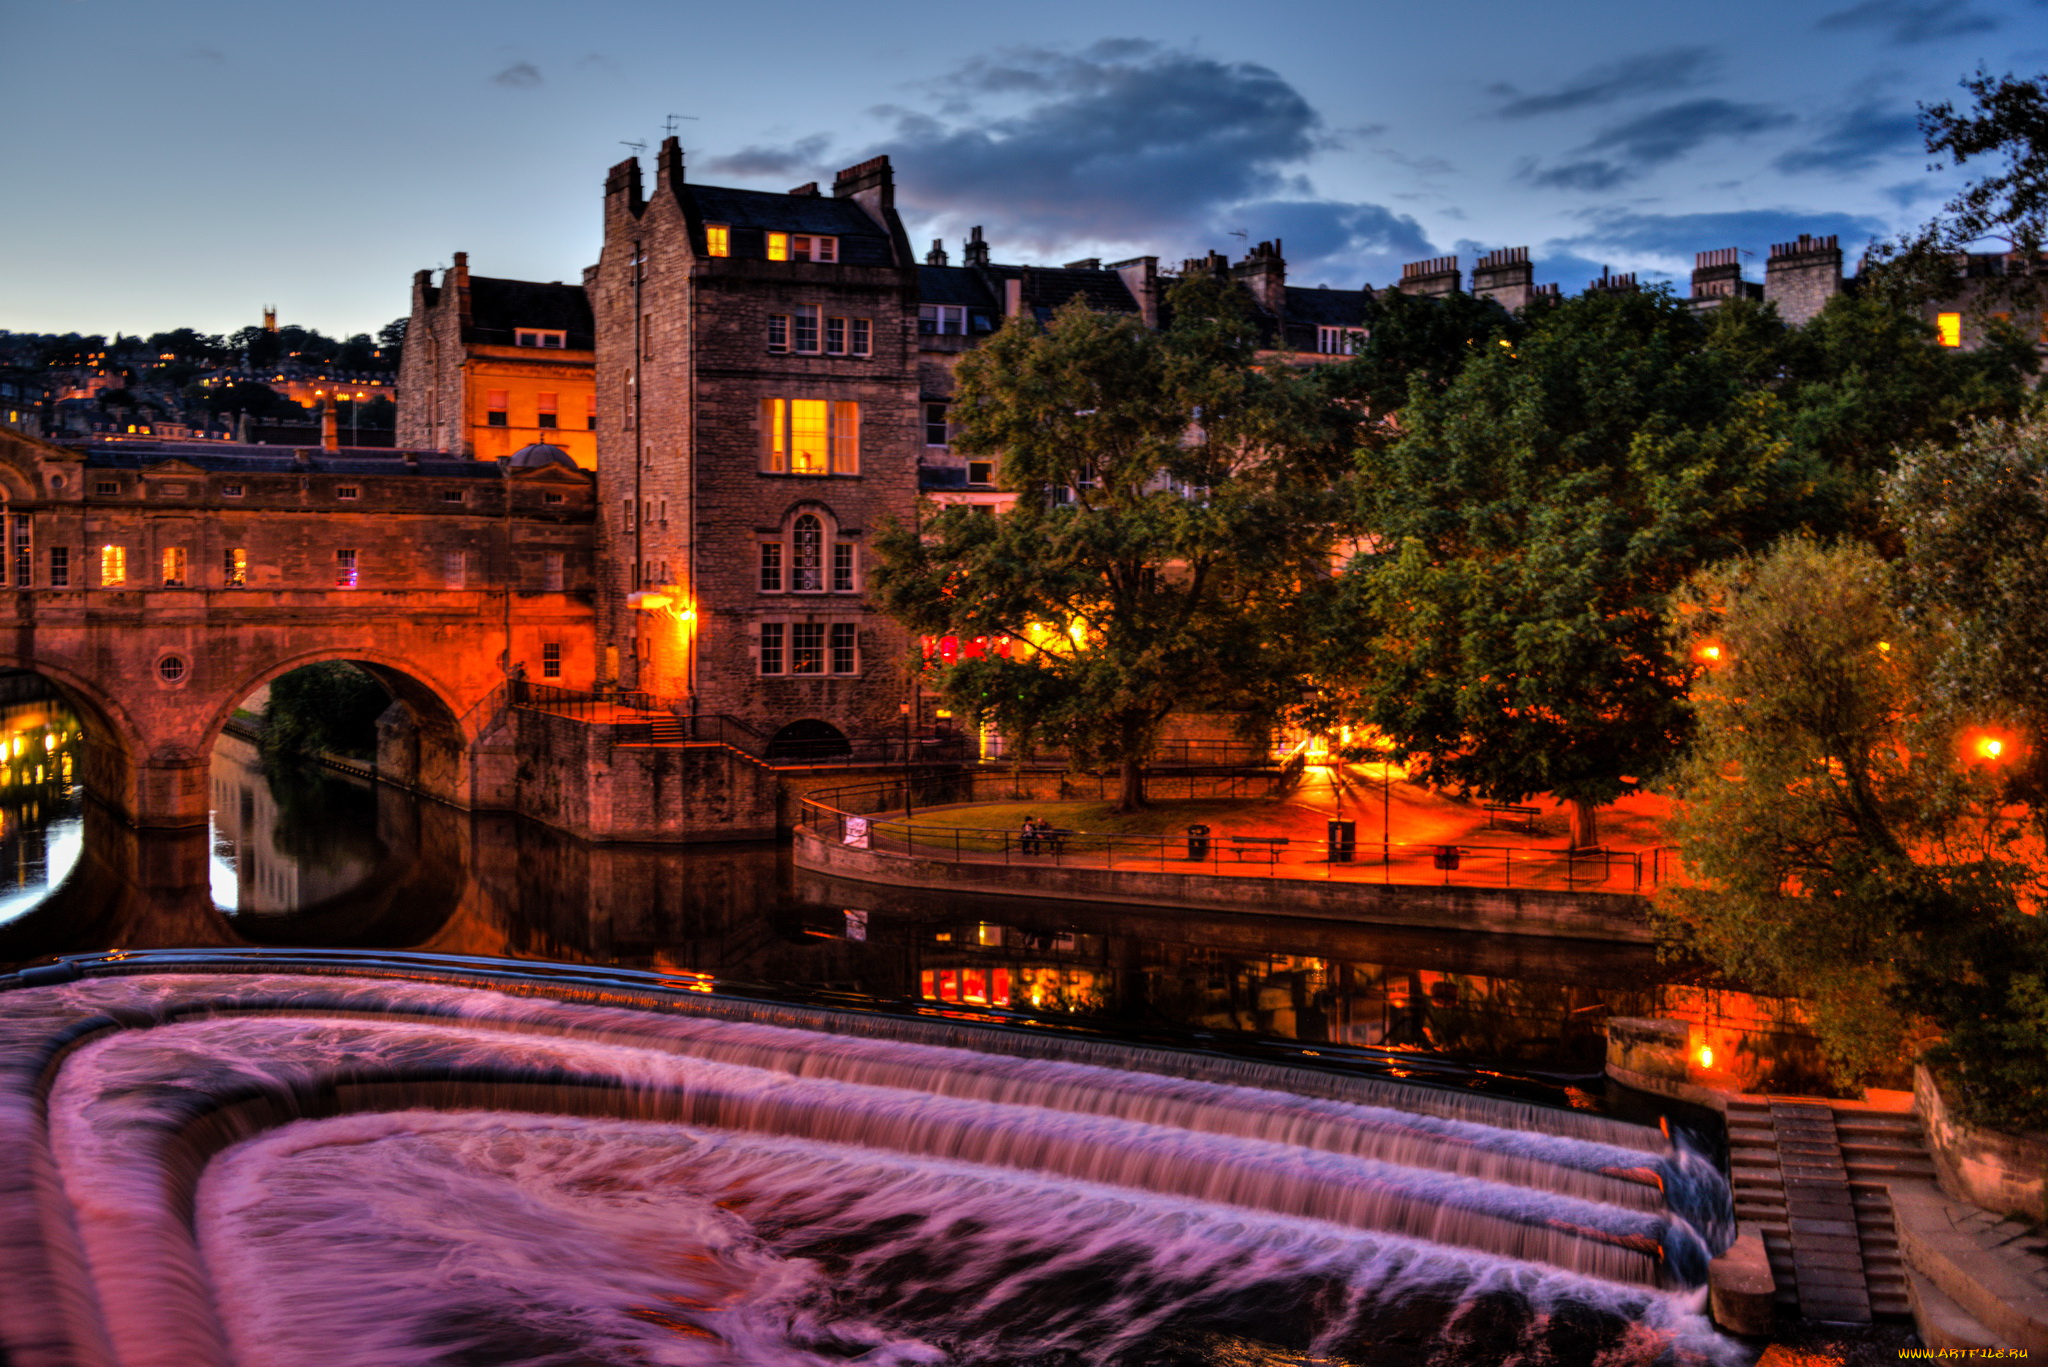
[758, 424]
[491, 366]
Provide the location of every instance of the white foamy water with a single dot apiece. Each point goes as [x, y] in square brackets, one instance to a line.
[597, 1185]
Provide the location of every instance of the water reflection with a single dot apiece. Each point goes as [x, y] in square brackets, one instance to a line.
[298, 856]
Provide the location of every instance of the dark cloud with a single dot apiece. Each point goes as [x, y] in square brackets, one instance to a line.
[1344, 245]
[1913, 21]
[1855, 140]
[1629, 149]
[798, 158]
[519, 76]
[1675, 237]
[1649, 73]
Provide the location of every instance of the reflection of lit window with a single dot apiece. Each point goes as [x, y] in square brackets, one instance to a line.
[235, 568]
[1949, 328]
[174, 567]
[717, 240]
[344, 569]
[807, 648]
[113, 567]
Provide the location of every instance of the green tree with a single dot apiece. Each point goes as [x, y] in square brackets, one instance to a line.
[1420, 345]
[1504, 629]
[1846, 842]
[1173, 500]
[331, 707]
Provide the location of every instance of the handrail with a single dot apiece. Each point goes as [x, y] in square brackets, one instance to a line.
[886, 826]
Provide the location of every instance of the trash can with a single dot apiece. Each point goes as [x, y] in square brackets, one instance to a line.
[1343, 841]
[1198, 842]
[1446, 857]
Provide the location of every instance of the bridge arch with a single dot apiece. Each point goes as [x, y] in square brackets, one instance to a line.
[114, 745]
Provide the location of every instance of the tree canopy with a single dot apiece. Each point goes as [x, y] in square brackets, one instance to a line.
[1173, 500]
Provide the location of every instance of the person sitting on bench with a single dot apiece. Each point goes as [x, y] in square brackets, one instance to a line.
[1028, 841]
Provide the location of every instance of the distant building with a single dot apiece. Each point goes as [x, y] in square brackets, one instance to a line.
[492, 365]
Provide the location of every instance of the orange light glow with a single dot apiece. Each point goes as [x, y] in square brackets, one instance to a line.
[1990, 747]
[1708, 652]
[1706, 1056]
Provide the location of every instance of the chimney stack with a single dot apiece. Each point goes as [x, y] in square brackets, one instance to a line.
[975, 253]
[1264, 272]
[330, 426]
[1800, 277]
[1507, 277]
[1431, 279]
[937, 255]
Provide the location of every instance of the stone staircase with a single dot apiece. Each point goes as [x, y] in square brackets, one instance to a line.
[1812, 1179]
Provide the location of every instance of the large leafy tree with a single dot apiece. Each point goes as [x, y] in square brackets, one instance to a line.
[1847, 835]
[1174, 501]
[1504, 629]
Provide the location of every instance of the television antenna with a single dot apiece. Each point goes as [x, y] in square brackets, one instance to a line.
[636, 146]
[668, 125]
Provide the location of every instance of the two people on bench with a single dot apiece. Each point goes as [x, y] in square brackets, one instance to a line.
[1035, 831]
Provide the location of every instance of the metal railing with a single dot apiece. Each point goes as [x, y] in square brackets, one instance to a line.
[882, 817]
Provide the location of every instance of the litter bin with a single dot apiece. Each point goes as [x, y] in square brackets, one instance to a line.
[1198, 842]
[1343, 841]
[1446, 857]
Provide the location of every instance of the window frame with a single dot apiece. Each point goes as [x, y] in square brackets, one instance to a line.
[541, 339]
[807, 532]
[807, 643]
[114, 557]
[718, 239]
[551, 659]
[845, 567]
[842, 642]
[348, 568]
[234, 567]
[770, 659]
[770, 565]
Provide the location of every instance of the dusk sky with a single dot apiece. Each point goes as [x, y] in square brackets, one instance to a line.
[177, 165]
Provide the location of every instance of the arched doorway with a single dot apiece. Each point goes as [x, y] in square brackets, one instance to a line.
[809, 739]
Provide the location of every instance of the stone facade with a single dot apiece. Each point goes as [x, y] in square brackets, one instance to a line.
[1800, 277]
[491, 366]
[751, 399]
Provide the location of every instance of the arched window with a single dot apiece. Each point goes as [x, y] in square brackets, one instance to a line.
[807, 555]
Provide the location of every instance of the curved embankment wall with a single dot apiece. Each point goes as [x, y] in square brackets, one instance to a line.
[1609, 916]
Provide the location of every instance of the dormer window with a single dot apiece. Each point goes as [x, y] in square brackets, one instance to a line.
[802, 247]
[717, 240]
[542, 337]
[1337, 341]
[944, 320]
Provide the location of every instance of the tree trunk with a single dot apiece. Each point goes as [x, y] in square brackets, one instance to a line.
[1585, 823]
[1131, 790]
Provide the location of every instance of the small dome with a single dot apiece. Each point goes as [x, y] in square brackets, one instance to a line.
[539, 454]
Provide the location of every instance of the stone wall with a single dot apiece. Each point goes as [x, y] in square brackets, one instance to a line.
[570, 775]
[2007, 1173]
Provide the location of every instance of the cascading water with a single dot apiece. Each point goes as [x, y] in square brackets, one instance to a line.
[255, 1169]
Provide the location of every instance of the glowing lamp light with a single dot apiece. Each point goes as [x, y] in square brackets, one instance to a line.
[648, 602]
[1706, 1056]
[1709, 653]
[1990, 747]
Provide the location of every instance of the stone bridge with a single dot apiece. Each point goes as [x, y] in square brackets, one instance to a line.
[159, 586]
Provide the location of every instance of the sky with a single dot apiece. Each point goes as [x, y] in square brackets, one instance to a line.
[186, 165]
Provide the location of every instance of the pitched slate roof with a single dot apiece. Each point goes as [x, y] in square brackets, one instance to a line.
[955, 285]
[498, 308]
[1330, 308]
[862, 241]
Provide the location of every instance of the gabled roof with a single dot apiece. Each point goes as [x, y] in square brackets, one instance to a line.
[498, 308]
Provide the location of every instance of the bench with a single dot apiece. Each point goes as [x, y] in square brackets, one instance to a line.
[1053, 842]
[1268, 845]
[1527, 815]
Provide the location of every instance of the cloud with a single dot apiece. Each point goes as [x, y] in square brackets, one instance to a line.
[1855, 140]
[798, 158]
[1912, 21]
[1347, 245]
[1627, 150]
[1673, 238]
[1648, 73]
[519, 76]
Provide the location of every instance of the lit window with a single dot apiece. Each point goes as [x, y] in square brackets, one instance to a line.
[771, 647]
[804, 329]
[345, 569]
[778, 250]
[1336, 341]
[717, 240]
[802, 436]
[935, 424]
[845, 648]
[455, 569]
[947, 320]
[551, 660]
[60, 567]
[551, 569]
[174, 567]
[495, 407]
[778, 333]
[863, 337]
[113, 567]
[1949, 328]
[835, 336]
[842, 567]
[347, 491]
[807, 549]
[235, 568]
[807, 648]
[548, 405]
[771, 567]
[542, 337]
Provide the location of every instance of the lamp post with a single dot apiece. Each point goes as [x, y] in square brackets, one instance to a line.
[904, 708]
